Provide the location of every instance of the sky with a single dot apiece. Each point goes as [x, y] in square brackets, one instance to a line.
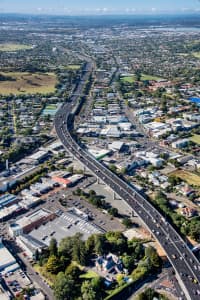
[74, 7]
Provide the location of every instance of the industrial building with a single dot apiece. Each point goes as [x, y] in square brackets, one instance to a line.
[30, 202]
[65, 181]
[39, 156]
[7, 262]
[8, 212]
[31, 221]
[30, 245]
[7, 199]
[68, 224]
[38, 234]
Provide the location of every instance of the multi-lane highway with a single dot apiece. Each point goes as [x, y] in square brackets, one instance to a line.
[184, 262]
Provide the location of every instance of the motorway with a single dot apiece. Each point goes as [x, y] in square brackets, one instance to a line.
[185, 264]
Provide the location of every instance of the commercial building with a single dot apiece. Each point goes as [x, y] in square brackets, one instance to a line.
[98, 153]
[15, 230]
[10, 211]
[180, 143]
[42, 188]
[55, 147]
[30, 245]
[68, 224]
[7, 199]
[31, 221]
[30, 202]
[7, 261]
[74, 179]
[60, 180]
[116, 146]
[67, 181]
[6, 182]
[39, 157]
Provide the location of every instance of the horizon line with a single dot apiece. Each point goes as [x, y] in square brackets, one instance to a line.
[91, 14]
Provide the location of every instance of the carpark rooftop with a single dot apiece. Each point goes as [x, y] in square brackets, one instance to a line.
[65, 225]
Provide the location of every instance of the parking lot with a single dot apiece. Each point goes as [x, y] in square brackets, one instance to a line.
[17, 281]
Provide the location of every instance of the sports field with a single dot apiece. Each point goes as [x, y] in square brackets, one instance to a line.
[132, 79]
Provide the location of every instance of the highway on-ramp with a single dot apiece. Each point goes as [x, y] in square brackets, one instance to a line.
[184, 262]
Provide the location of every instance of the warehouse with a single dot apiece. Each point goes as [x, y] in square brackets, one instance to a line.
[42, 188]
[29, 244]
[98, 153]
[7, 199]
[34, 220]
[10, 211]
[7, 260]
[68, 224]
[39, 157]
[74, 179]
[69, 181]
[30, 201]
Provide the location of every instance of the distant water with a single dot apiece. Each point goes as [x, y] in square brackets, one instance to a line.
[178, 29]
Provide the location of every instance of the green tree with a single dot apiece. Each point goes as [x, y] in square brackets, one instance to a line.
[53, 264]
[128, 262]
[118, 242]
[66, 247]
[53, 248]
[148, 294]
[98, 286]
[73, 271]
[92, 193]
[100, 244]
[113, 211]
[79, 252]
[194, 229]
[90, 243]
[64, 287]
[113, 168]
[151, 253]
[127, 222]
[87, 291]
[78, 192]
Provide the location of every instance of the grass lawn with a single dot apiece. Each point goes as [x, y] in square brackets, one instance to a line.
[150, 77]
[73, 67]
[189, 177]
[28, 83]
[131, 79]
[89, 275]
[195, 138]
[51, 107]
[128, 79]
[196, 54]
[50, 278]
[13, 47]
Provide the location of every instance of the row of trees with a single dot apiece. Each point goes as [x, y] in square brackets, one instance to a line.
[70, 286]
[99, 202]
[186, 227]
